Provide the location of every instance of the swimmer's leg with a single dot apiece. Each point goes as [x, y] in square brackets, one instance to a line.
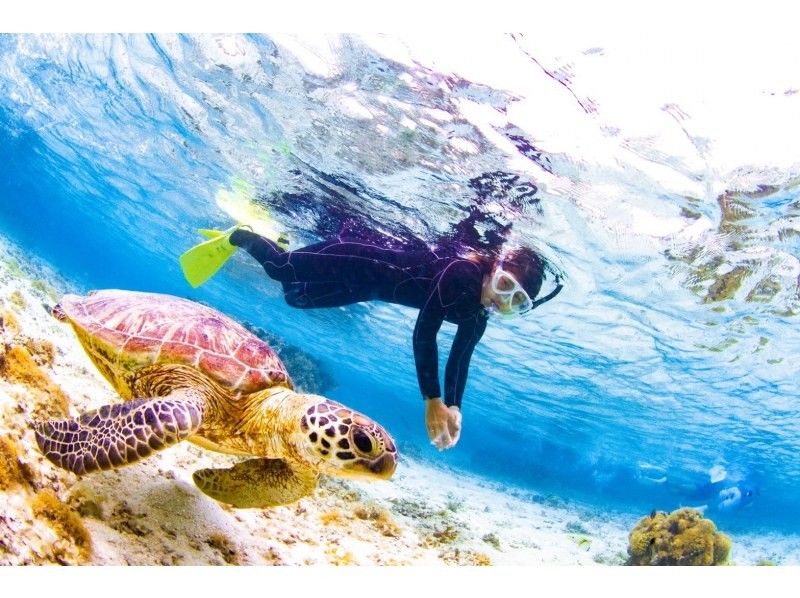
[347, 263]
[259, 247]
[306, 295]
[269, 254]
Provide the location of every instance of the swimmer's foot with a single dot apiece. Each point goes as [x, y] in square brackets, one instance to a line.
[261, 248]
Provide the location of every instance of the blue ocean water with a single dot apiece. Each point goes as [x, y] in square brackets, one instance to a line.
[663, 375]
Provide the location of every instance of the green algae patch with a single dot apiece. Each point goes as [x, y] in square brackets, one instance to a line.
[723, 346]
[45, 289]
[726, 285]
[764, 291]
[17, 300]
[460, 556]
[18, 365]
[492, 540]
[225, 547]
[13, 268]
[380, 519]
[688, 213]
[13, 471]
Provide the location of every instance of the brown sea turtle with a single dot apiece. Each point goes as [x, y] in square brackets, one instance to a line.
[187, 372]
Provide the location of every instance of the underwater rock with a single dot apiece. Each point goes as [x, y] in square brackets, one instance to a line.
[684, 537]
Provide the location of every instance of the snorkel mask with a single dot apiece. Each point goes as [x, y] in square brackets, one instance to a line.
[515, 300]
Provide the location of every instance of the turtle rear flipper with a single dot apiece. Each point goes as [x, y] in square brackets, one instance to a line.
[257, 483]
[117, 435]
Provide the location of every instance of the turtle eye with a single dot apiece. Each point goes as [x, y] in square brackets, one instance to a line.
[363, 441]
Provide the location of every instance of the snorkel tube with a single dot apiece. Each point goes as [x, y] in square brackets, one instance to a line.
[549, 296]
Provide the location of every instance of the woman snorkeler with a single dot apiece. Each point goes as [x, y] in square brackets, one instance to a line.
[466, 276]
[443, 284]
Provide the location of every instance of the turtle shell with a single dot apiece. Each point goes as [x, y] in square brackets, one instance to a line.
[126, 330]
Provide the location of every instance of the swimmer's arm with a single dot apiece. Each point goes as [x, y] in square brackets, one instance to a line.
[461, 294]
[426, 352]
[443, 419]
[457, 369]
[443, 423]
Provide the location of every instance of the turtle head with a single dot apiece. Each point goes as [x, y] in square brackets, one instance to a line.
[345, 443]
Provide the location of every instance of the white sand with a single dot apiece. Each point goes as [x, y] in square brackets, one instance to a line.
[151, 512]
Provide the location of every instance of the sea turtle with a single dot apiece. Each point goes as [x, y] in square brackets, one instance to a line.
[187, 372]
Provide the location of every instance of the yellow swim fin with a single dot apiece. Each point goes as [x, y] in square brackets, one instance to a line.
[210, 233]
[239, 204]
[282, 239]
[202, 261]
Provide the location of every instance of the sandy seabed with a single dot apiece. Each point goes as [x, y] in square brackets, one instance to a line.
[151, 513]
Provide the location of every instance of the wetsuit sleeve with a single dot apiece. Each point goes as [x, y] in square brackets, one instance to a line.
[460, 291]
[455, 375]
[457, 299]
[426, 353]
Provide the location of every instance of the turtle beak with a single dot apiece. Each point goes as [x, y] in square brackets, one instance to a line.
[381, 468]
[384, 466]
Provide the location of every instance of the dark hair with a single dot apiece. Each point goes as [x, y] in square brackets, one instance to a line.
[528, 268]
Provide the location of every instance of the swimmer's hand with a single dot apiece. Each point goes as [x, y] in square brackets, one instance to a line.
[443, 423]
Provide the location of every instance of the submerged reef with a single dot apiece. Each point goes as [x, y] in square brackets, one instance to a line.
[684, 537]
[721, 267]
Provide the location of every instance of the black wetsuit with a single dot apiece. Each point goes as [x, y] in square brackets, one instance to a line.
[347, 270]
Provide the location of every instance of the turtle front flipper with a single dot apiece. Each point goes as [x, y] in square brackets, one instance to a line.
[117, 435]
[257, 483]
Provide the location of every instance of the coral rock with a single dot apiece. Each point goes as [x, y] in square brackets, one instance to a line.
[684, 537]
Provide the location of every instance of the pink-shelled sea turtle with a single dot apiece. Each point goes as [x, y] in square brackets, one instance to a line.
[188, 372]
